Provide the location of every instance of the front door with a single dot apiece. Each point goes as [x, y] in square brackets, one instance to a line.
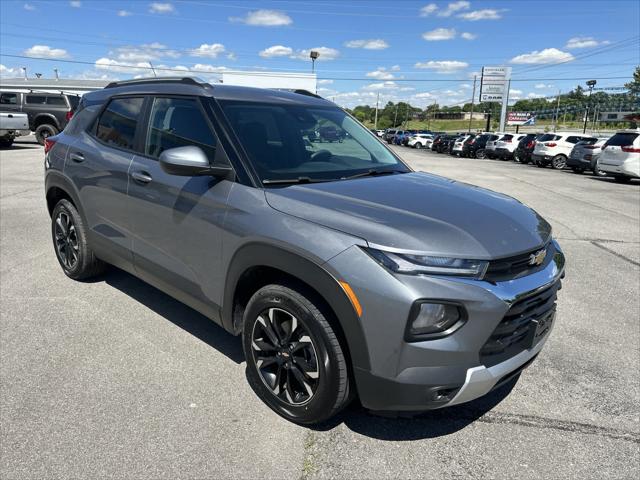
[177, 221]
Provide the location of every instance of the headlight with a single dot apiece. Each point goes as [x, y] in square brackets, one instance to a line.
[429, 265]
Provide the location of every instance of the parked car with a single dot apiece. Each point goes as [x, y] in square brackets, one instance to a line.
[620, 156]
[420, 140]
[523, 151]
[48, 113]
[490, 147]
[460, 147]
[554, 149]
[342, 272]
[436, 142]
[584, 156]
[379, 133]
[446, 144]
[506, 145]
[399, 137]
[12, 125]
[389, 134]
[330, 134]
[476, 148]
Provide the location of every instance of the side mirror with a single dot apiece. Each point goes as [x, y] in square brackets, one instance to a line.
[190, 161]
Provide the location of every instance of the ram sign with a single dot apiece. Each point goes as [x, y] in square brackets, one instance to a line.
[493, 83]
[520, 118]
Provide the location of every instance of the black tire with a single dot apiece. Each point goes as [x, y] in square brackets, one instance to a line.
[577, 170]
[622, 179]
[45, 131]
[418, 146]
[517, 157]
[559, 162]
[321, 397]
[480, 154]
[69, 236]
[539, 164]
[597, 172]
[6, 142]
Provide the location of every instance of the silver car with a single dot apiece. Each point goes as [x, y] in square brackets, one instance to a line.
[345, 272]
[584, 156]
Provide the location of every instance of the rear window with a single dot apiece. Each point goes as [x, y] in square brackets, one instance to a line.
[9, 99]
[548, 137]
[36, 99]
[117, 124]
[507, 137]
[58, 100]
[622, 139]
[74, 101]
[587, 141]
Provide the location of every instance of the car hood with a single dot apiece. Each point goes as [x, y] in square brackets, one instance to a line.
[418, 212]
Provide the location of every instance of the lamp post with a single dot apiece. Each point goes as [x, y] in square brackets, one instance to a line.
[314, 56]
[590, 84]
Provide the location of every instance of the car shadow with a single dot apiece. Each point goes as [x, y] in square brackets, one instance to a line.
[431, 424]
[631, 183]
[177, 313]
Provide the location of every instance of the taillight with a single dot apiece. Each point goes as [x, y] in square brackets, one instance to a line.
[69, 115]
[630, 149]
[507, 140]
[48, 145]
[588, 156]
[550, 144]
[530, 144]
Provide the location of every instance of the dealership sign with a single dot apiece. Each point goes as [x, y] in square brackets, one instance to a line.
[520, 118]
[493, 83]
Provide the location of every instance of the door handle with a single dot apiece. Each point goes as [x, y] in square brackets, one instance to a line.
[9, 116]
[141, 177]
[77, 157]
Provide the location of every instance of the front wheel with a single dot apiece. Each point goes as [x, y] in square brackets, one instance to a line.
[559, 162]
[295, 363]
[418, 145]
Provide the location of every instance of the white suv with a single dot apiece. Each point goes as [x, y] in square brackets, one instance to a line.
[420, 140]
[620, 156]
[555, 148]
[507, 144]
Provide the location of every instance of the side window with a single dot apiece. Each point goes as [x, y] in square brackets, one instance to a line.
[117, 124]
[9, 99]
[178, 122]
[56, 101]
[36, 99]
[573, 139]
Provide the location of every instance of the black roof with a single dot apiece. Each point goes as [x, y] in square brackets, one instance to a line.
[191, 86]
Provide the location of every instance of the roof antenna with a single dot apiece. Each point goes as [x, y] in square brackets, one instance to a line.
[55, 70]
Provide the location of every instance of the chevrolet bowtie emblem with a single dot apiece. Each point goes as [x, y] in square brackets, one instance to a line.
[536, 259]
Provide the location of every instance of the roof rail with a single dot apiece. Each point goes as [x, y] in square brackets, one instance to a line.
[151, 80]
[300, 91]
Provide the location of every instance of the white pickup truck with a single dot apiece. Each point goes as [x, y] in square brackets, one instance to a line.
[12, 125]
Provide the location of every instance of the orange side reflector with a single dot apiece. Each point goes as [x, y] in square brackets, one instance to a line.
[352, 296]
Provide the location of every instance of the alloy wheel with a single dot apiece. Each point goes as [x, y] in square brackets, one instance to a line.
[285, 356]
[66, 240]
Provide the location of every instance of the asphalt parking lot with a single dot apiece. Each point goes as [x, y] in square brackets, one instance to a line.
[112, 378]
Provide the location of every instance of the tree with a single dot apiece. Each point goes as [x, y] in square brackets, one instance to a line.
[634, 85]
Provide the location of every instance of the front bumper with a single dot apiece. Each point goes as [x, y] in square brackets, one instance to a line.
[627, 169]
[424, 375]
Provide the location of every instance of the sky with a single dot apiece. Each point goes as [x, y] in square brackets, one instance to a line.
[417, 51]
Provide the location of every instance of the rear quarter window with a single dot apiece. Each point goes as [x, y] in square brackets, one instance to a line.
[117, 123]
[622, 139]
[36, 99]
[57, 101]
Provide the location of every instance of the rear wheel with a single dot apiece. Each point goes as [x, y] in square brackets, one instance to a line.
[418, 145]
[6, 142]
[70, 243]
[559, 162]
[295, 363]
[480, 154]
[597, 172]
[45, 131]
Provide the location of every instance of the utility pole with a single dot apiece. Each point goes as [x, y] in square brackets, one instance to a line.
[590, 84]
[375, 123]
[473, 99]
[395, 117]
[55, 70]
[555, 118]
[406, 117]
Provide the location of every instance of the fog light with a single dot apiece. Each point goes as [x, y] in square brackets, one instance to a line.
[433, 320]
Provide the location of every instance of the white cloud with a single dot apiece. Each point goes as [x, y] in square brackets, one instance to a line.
[548, 55]
[264, 18]
[372, 44]
[124, 13]
[46, 52]
[442, 66]
[381, 73]
[75, 4]
[276, 51]
[542, 85]
[534, 95]
[406, 89]
[468, 36]
[466, 86]
[202, 67]
[232, 56]
[29, 7]
[325, 81]
[211, 50]
[454, 7]
[485, 14]
[381, 86]
[9, 72]
[110, 64]
[428, 10]
[515, 91]
[584, 42]
[439, 34]
[395, 68]
[143, 53]
[326, 53]
[161, 8]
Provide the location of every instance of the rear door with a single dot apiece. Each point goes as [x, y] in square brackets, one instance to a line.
[177, 220]
[98, 163]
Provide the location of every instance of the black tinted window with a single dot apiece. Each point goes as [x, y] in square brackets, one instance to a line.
[547, 137]
[36, 99]
[9, 99]
[622, 139]
[573, 139]
[117, 124]
[178, 122]
[74, 101]
[56, 101]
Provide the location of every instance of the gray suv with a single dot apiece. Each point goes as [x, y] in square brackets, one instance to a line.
[346, 273]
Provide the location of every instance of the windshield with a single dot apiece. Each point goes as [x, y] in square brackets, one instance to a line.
[292, 141]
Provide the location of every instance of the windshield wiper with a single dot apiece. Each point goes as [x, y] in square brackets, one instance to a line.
[372, 172]
[292, 181]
